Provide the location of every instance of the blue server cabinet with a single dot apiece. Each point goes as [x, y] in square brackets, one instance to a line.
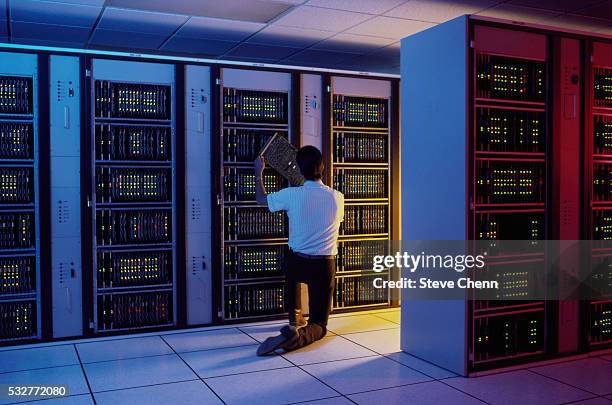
[20, 286]
[133, 194]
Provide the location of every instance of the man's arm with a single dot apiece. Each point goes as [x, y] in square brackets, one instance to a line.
[260, 189]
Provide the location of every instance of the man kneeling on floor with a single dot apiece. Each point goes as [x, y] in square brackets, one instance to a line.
[315, 212]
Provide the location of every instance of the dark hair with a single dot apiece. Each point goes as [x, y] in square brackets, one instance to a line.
[310, 161]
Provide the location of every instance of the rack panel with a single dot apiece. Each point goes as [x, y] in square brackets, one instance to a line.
[362, 184]
[510, 226]
[509, 336]
[16, 140]
[134, 310]
[132, 100]
[602, 87]
[257, 300]
[514, 79]
[18, 320]
[602, 134]
[254, 262]
[509, 130]
[255, 106]
[16, 95]
[366, 220]
[365, 112]
[359, 291]
[133, 143]
[360, 147]
[502, 182]
[239, 183]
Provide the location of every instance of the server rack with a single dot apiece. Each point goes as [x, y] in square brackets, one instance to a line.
[20, 272]
[133, 189]
[359, 167]
[599, 200]
[492, 151]
[254, 105]
[509, 189]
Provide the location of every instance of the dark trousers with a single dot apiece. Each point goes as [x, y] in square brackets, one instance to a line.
[319, 276]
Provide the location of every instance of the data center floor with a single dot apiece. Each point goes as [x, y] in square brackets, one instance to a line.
[358, 362]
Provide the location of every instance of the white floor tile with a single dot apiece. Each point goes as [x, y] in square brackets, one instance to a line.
[43, 357]
[120, 374]
[262, 332]
[71, 400]
[381, 341]
[390, 316]
[593, 374]
[330, 348]
[206, 340]
[364, 374]
[358, 323]
[122, 349]
[72, 376]
[422, 366]
[232, 360]
[329, 401]
[269, 387]
[518, 387]
[183, 393]
[429, 393]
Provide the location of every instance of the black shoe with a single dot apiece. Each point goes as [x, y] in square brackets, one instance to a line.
[288, 335]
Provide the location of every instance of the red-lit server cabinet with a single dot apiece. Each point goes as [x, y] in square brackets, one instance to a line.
[491, 150]
[598, 190]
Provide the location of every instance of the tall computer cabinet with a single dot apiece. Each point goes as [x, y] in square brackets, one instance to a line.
[492, 123]
[20, 260]
[131, 198]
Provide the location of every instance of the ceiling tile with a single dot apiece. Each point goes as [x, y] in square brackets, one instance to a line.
[289, 36]
[49, 32]
[2, 9]
[98, 3]
[219, 29]
[46, 12]
[580, 23]
[353, 43]
[197, 46]
[252, 10]
[120, 19]
[3, 39]
[262, 51]
[389, 27]
[2, 27]
[321, 18]
[125, 39]
[517, 13]
[600, 10]
[361, 6]
[439, 11]
[312, 57]
[555, 5]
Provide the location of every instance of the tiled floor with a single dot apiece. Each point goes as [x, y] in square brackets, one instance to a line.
[359, 362]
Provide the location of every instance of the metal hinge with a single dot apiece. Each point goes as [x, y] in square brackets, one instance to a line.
[220, 313]
[471, 43]
[218, 82]
[218, 199]
[88, 72]
[92, 325]
[88, 202]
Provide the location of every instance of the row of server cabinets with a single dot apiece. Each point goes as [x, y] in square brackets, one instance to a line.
[127, 190]
[523, 153]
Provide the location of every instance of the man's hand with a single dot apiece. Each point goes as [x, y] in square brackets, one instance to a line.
[260, 164]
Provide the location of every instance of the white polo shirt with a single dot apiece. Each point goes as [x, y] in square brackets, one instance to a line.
[315, 212]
